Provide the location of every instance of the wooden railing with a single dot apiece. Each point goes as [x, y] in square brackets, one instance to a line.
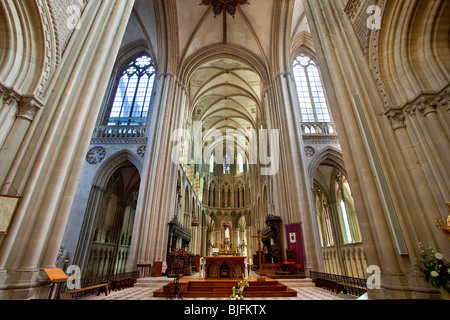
[339, 284]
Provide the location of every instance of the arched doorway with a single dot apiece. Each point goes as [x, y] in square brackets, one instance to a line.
[105, 239]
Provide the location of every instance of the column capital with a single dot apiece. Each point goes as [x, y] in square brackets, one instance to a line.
[444, 99]
[396, 118]
[411, 110]
[427, 105]
[28, 107]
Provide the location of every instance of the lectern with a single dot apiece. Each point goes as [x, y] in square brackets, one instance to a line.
[55, 275]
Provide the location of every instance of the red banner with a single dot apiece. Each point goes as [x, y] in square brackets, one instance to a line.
[294, 241]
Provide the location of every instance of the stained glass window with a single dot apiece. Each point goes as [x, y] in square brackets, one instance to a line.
[133, 94]
[313, 104]
[226, 164]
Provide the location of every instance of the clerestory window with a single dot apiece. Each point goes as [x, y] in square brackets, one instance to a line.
[311, 95]
[133, 94]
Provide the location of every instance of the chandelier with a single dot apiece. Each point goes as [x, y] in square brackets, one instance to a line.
[220, 6]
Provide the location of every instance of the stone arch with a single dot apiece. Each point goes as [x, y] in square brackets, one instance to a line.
[414, 51]
[302, 44]
[107, 185]
[112, 163]
[329, 156]
[28, 61]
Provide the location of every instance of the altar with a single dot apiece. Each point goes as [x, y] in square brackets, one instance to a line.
[225, 267]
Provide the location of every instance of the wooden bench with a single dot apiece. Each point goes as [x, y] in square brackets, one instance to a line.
[68, 295]
[350, 289]
[327, 284]
[339, 287]
[123, 283]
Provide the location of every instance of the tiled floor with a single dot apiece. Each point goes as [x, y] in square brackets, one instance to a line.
[146, 293]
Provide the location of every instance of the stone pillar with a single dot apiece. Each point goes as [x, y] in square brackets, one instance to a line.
[218, 237]
[422, 200]
[52, 161]
[428, 107]
[235, 238]
[388, 233]
[158, 182]
[204, 252]
[17, 137]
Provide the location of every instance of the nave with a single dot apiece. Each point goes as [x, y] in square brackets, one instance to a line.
[143, 290]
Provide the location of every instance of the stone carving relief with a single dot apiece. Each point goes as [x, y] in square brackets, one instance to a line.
[310, 152]
[96, 155]
[141, 151]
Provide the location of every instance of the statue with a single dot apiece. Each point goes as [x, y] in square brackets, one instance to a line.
[439, 224]
[61, 260]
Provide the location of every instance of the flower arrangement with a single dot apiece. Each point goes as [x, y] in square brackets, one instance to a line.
[435, 268]
[238, 294]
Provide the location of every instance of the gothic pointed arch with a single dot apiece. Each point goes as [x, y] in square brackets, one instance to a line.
[329, 156]
[112, 163]
[109, 216]
[413, 49]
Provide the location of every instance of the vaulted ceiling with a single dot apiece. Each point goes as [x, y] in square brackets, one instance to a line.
[223, 93]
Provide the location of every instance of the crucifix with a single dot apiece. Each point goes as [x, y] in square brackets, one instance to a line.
[259, 236]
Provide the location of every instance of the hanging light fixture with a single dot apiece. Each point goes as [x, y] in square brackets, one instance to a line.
[220, 6]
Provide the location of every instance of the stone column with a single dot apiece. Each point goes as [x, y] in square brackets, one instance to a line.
[17, 137]
[49, 169]
[420, 201]
[218, 237]
[235, 238]
[158, 183]
[428, 107]
[204, 252]
[9, 105]
[354, 101]
[248, 240]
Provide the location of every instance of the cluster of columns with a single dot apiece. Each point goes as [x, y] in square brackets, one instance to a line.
[226, 196]
[394, 200]
[46, 135]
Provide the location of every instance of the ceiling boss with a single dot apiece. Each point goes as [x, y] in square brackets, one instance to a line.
[220, 6]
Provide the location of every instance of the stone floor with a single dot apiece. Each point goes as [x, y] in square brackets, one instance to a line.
[143, 290]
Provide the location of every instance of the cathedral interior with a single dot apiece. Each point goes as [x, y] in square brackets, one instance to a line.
[311, 131]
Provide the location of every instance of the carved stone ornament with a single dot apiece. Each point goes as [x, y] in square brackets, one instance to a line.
[96, 155]
[397, 119]
[28, 108]
[310, 152]
[427, 105]
[141, 151]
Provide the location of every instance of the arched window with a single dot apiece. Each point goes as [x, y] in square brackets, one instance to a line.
[133, 94]
[240, 163]
[226, 164]
[324, 220]
[346, 220]
[211, 164]
[311, 96]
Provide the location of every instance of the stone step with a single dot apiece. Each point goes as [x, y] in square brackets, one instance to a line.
[299, 283]
[223, 288]
[152, 282]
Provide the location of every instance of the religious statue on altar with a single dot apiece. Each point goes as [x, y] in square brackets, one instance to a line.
[227, 238]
